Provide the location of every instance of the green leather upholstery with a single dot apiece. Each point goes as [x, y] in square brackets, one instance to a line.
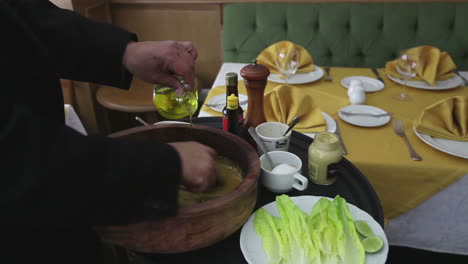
[346, 34]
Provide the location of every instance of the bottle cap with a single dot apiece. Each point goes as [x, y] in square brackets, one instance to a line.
[326, 141]
[231, 79]
[232, 102]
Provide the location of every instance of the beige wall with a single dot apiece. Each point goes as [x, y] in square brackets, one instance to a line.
[200, 24]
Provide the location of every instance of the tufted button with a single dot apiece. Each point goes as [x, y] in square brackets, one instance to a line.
[452, 25]
[285, 26]
[416, 26]
[316, 26]
[328, 53]
[380, 25]
[348, 25]
[254, 26]
[360, 54]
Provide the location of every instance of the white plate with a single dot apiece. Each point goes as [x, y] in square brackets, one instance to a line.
[251, 242]
[364, 121]
[453, 147]
[221, 99]
[450, 83]
[370, 84]
[299, 78]
[169, 122]
[72, 120]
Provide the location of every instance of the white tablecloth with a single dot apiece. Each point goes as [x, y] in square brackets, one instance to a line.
[438, 224]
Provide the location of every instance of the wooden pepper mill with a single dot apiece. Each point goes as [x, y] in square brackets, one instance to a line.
[255, 76]
[255, 79]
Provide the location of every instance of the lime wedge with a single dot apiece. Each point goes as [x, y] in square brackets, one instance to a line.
[363, 228]
[372, 244]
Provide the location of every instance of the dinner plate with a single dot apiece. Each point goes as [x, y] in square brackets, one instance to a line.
[72, 120]
[299, 78]
[170, 122]
[452, 147]
[251, 242]
[370, 84]
[450, 83]
[221, 99]
[364, 121]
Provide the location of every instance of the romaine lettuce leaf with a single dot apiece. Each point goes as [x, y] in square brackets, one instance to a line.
[268, 227]
[325, 236]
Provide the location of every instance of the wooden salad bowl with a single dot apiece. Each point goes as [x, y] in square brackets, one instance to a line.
[200, 225]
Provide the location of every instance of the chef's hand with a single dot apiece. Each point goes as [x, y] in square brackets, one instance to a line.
[158, 61]
[198, 165]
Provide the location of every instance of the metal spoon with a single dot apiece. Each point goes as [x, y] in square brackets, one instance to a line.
[141, 120]
[292, 124]
[254, 135]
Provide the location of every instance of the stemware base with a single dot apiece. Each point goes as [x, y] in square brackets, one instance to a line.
[402, 97]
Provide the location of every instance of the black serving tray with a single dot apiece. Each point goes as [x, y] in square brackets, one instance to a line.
[352, 186]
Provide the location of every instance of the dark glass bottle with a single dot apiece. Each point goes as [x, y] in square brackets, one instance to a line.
[231, 116]
[238, 113]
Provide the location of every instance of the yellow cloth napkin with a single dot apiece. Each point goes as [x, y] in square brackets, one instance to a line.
[446, 119]
[268, 57]
[435, 65]
[285, 102]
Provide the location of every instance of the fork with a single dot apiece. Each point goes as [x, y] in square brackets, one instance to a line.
[328, 78]
[400, 131]
[214, 105]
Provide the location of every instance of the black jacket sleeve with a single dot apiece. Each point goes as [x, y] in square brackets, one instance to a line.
[55, 176]
[82, 49]
[51, 175]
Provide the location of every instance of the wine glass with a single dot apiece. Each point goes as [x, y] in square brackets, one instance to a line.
[287, 62]
[407, 65]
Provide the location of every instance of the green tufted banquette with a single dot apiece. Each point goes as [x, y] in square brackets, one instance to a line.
[346, 34]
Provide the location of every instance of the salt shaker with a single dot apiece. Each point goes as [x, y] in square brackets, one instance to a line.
[356, 92]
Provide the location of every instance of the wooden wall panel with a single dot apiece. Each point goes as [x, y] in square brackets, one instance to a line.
[200, 24]
[271, 1]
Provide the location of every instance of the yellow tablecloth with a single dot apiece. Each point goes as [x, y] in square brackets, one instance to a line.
[378, 153]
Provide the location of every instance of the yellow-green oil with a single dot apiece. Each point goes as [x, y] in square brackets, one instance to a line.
[170, 105]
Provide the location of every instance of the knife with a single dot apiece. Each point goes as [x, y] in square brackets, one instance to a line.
[340, 140]
[365, 114]
[463, 78]
[374, 70]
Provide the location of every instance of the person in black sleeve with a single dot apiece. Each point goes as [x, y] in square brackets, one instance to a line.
[56, 184]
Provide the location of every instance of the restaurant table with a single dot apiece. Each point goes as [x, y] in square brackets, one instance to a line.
[433, 213]
[351, 185]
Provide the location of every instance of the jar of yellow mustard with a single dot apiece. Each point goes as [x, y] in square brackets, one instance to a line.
[324, 154]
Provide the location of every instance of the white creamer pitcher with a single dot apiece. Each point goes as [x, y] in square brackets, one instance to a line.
[356, 92]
